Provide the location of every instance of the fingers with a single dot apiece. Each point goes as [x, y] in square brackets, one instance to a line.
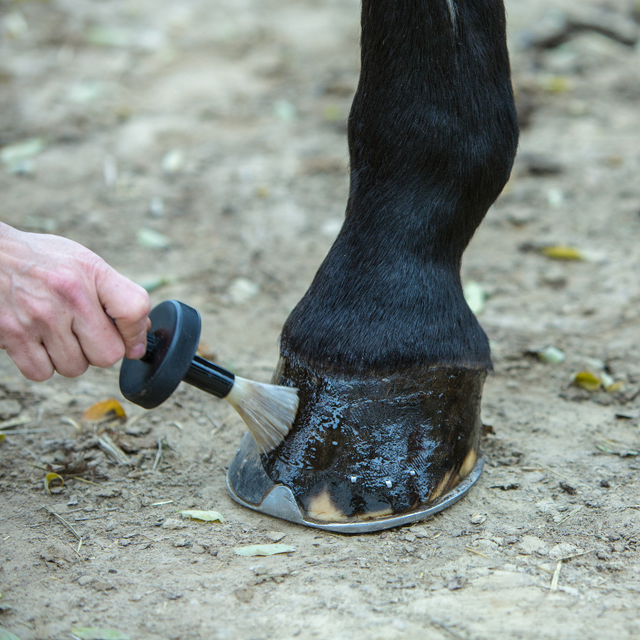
[129, 306]
[57, 299]
[33, 361]
[66, 355]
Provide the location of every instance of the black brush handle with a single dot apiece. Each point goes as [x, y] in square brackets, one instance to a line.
[201, 374]
[171, 358]
[209, 377]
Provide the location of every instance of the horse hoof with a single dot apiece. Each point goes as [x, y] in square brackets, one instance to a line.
[367, 453]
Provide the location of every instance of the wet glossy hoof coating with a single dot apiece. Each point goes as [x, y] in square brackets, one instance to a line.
[366, 454]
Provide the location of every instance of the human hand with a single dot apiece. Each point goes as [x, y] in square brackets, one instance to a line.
[63, 308]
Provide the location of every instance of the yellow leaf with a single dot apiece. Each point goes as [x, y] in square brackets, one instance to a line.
[555, 84]
[588, 381]
[560, 252]
[205, 516]
[2, 436]
[51, 478]
[105, 409]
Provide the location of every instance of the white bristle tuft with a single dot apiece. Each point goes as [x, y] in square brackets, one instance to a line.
[267, 409]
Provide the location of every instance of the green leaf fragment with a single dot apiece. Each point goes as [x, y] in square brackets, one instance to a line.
[551, 355]
[263, 550]
[152, 284]
[109, 37]
[7, 635]
[13, 154]
[152, 239]
[205, 516]
[475, 296]
[95, 633]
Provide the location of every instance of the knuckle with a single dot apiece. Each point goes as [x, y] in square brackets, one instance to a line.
[109, 355]
[69, 286]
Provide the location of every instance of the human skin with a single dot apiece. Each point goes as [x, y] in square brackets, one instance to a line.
[63, 308]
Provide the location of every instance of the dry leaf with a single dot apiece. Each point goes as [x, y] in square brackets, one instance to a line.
[587, 380]
[205, 516]
[616, 448]
[263, 550]
[106, 409]
[95, 633]
[51, 478]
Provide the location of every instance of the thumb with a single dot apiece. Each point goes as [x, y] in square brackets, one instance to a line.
[128, 305]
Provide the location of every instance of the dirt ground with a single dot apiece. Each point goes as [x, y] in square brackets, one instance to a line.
[200, 148]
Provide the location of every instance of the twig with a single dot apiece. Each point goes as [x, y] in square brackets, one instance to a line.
[577, 555]
[133, 419]
[113, 450]
[104, 515]
[478, 553]
[66, 524]
[157, 504]
[71, 422]
[23, 432]
[556, 576]
[97, 484]
[444, 627]
[14, 422]
[573, 513]
[156, 462]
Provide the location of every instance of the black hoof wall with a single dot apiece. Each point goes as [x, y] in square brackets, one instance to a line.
[369, 453]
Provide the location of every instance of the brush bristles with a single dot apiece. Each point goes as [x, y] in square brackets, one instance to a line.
[267, 409]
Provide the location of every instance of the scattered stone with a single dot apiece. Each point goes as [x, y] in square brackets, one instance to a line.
[562, 550]
[243, 595]
[183, 542]
[532, 544]
[196, 548]
[174, 523]
[457, 583]
[275, 536]
[567, 488]
[58, 554]
[477, 519]
[85, 580]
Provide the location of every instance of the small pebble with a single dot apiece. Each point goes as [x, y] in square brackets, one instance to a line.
[275, 536]
[174, 523]
[477, 518]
